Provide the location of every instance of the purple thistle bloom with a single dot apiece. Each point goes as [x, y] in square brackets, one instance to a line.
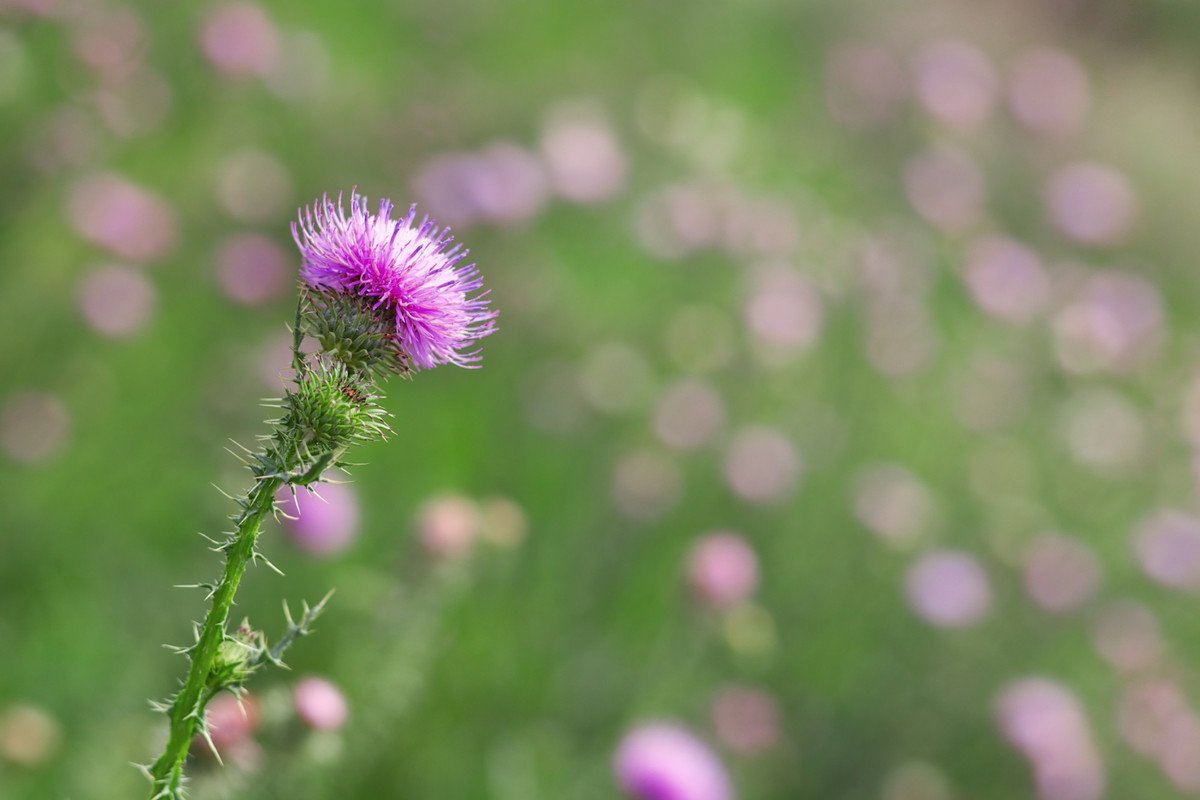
[406, 270]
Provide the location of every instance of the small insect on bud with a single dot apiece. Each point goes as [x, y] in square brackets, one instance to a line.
[333, 408]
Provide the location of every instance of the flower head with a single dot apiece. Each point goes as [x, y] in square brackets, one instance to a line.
[409, 272]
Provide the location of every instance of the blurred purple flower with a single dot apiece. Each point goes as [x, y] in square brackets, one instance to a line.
[1167, 544]
[321, 524]
[949, 589]
[411, 271]
[663, 761]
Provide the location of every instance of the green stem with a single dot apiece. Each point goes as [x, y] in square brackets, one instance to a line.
[187, 710]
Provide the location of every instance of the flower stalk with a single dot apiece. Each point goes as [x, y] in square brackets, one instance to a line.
[378, 297]
[186, 711]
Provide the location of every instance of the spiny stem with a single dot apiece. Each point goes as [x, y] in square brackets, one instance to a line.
[331, 406]
[272, 469]
[187, 711]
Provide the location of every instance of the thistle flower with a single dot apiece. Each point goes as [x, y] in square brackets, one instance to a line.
[408, 273]
[380, 297]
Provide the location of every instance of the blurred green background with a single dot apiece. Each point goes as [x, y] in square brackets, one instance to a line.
[904, 294]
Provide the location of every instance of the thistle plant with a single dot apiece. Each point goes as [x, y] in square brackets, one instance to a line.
[378, 297]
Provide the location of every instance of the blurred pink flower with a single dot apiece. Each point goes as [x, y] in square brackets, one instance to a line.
[130, 221]
[1114, 323]
[1006, 279]
[956, 84]
[1167, 544]
[584, 158]
[745, 720]
[503, 184]
[1045, 721]
[682, 218]
[1061, 572]
[230, 721]
[893, 504]
[511, 184]
[762, 465]
[320, 704]
[252, 269]
[448, 525]
[240, 39]
[722, 569]
[111, 43]
[663, 761]
[784, 312]
[1146, 712]
[1048, 91]
[116, 301]
[946, 188]
[1179, 751]
[1092, 204]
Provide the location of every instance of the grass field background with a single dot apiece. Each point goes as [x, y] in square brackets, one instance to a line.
[761, 241]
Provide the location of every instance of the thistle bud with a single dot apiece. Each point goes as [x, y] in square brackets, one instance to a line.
[350, 330]
[333, 408]
[237, 657]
